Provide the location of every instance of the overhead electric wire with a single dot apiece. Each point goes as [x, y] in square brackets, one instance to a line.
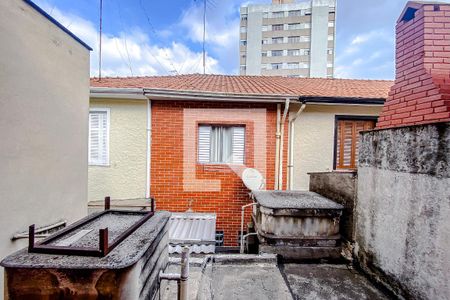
[152, 28]
[124, 39]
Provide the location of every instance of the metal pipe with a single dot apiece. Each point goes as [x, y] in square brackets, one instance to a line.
[149, 143]
[184, 275]
[247, 235]
[291, 146]
[242, 224]
[277, 145]
[182, 278]
[280, 160]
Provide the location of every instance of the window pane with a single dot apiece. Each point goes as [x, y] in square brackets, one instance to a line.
[278, 14]
[277, 27]
[277, 40]
[293, 52]
[221, 144]
[295, 13]
[277, 52]
[277, 66]
[294, 39]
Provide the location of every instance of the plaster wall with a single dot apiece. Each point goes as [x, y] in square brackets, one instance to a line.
[314, 138]
[402, 224]
[44, 101]
[125, 176]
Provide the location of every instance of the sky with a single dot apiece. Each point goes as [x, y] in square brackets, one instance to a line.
[149, 37]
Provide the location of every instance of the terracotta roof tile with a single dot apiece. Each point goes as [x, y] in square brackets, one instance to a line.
[254, 85]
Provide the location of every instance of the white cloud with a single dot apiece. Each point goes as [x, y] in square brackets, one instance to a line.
[364, 53]
[132, 52]
[222, 30]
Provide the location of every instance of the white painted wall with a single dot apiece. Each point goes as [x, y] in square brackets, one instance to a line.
[314, 138]
[44, 100]
[125, 176]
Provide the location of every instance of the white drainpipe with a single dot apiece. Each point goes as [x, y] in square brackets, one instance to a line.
[291, 146]
[280, 160]
[149, 143]
[277, 146]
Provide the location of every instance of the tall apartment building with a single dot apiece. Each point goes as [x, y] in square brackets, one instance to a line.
[288, 38]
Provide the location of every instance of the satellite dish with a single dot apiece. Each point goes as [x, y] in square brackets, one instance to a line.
[253, 180]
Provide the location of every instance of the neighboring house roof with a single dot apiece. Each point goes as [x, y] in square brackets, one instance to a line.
[51, 19]
[253, 85]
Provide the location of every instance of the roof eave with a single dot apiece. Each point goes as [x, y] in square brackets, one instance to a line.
[157, 94]
[343, 100]
[117, 93]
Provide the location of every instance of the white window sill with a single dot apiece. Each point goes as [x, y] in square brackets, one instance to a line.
[99, 165]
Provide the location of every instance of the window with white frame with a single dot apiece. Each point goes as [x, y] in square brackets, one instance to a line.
[293, 52]
[99, 136]
[278, 14]
[330, 37]
[243, 43]
[265, 28]
[292, 66]
[277, 66]
[295, 13]
[277, 53]
[277, 40]
[294, 26]
[293, 39]
[221, 144]
[305, 51]
[243, 29]
[305, 38]
[330, 24]
[303, 65]
[277, 27]
[330, 51]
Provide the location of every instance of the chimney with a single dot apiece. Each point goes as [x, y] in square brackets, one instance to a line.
[421, 93]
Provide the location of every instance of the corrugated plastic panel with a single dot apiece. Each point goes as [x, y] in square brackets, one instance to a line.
[196, 230]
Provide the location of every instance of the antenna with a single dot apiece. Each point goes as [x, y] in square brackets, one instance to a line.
[100, 43]
[204, 36]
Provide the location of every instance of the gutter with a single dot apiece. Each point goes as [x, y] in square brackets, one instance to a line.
[281, 137]
[117, 93]
[149, 148]
[343, 100]
[210, 96]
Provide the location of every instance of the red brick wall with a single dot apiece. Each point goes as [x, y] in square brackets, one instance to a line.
[174, 186]
[421, 92]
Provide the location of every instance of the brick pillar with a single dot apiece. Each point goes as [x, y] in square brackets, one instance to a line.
[421, 93]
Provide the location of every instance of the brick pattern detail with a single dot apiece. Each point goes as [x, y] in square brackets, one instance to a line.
[421, 92]
[168, 178]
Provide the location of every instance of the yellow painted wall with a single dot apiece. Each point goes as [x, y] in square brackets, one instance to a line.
[314, 138]
[125, 176]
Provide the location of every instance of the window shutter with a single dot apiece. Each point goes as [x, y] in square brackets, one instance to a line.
[98, 137]
[204, 144]
[238, 145]
[347, 142]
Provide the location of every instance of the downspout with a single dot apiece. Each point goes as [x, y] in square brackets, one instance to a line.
[149, 143]
[280, 160]
[277, 146]
[291, 145]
